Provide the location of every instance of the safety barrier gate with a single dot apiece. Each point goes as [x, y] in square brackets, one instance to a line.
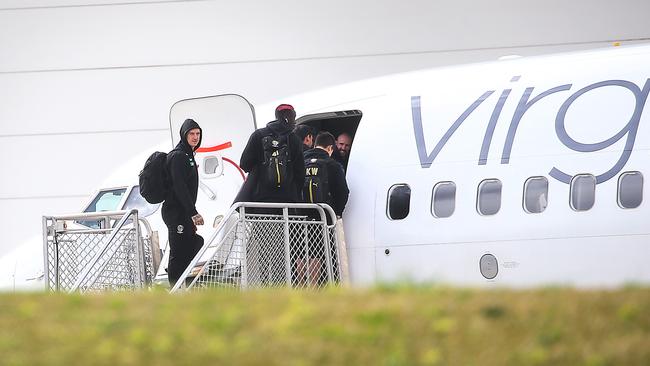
[267, 245]
[114, 256]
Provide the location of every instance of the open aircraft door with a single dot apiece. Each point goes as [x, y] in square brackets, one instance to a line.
[227, 122]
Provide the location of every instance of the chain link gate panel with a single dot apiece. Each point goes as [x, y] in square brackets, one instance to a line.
[78, 258]
[263, 245]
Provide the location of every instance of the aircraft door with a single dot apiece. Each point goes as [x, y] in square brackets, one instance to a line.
[227, 122]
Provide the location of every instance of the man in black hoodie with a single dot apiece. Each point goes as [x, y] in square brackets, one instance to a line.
[336, 185]
[324, 183]
[179, 211]
[254, 160]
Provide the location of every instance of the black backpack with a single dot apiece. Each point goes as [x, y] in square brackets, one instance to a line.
[316, 188]
[154, 181]
[277, 160]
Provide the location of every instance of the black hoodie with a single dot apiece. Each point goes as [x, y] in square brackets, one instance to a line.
[336, 183]
[179, 206]
[252, 160]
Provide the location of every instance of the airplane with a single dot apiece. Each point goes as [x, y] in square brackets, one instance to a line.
[519, 173]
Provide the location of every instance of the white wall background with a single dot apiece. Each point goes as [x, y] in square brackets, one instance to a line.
[84, 85]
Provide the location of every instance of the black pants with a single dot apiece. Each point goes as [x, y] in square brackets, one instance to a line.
[184, 243]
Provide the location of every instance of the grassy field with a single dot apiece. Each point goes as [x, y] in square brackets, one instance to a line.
[384, 326]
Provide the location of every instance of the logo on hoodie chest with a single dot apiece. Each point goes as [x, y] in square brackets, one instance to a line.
[190, 159]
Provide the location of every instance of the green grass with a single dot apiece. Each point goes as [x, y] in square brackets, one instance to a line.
[384, 326]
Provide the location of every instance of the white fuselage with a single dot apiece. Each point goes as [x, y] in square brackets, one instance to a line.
[547, 118]
[590, 120]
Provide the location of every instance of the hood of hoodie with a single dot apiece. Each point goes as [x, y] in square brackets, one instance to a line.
[279, 127]
[188, 125]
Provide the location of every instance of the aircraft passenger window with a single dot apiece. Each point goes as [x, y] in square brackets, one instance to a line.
[135, 200]
[535, 194]
[443, 199]
[489, 197]
[583, 192]
[630, 190]
[399, 201]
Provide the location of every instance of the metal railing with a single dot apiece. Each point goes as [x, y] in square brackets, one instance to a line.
[267, 245]
[111, 257]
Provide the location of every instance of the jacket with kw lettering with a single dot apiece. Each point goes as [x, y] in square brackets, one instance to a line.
[336, 183]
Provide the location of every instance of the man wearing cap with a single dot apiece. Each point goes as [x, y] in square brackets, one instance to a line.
[273, 159]
[254, 160]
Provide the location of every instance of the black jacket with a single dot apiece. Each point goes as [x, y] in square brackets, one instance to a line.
[252, 160]
[179, 206]
[336, 183]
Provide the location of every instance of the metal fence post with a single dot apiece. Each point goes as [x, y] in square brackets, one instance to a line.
[55, 243]
[139, 251]
[287, 247]
[328, 248]
[244, 241]
[46, 257]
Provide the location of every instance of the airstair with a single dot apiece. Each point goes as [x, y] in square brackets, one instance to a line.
[268, 245]
[255, 245]
[117, 255]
